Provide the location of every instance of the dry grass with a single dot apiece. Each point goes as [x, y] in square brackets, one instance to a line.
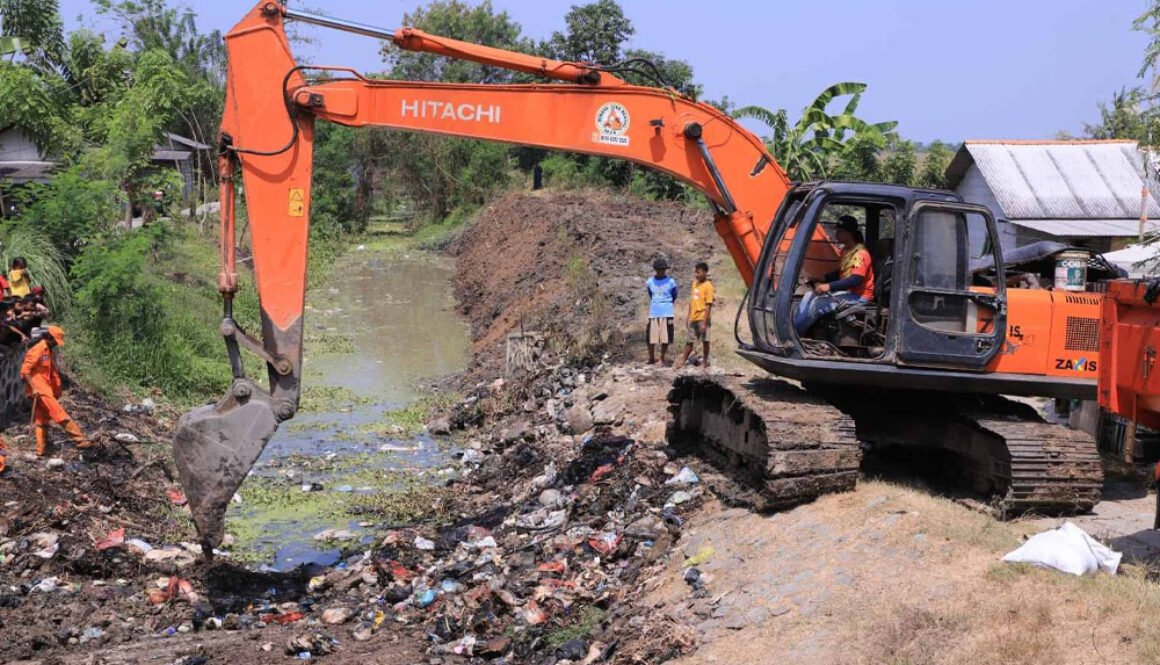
[927, 587]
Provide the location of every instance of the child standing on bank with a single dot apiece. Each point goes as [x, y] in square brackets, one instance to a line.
[662, 293]
[700, 314]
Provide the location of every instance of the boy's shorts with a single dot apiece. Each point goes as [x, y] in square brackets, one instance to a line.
[697, 331]
[660, 330]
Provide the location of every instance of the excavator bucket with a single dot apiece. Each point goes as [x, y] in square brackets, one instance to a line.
[215, 448]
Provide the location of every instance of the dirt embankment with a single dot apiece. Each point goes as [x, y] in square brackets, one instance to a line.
[572, 264]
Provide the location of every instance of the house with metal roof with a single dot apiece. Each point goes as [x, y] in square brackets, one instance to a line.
[1084, 193]
[22, 162]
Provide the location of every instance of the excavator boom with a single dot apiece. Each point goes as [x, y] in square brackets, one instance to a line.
[267, 135]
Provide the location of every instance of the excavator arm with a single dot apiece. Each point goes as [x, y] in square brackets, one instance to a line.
[267, 135]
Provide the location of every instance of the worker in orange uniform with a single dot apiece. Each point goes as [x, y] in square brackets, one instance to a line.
[42, 381]
[3, 456]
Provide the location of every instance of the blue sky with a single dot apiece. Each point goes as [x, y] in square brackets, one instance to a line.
[944, 69]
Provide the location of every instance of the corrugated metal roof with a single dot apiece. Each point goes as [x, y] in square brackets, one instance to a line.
[177, 138]
[1055, 180]
[21, 171]
[1087, 228]
[170, 155]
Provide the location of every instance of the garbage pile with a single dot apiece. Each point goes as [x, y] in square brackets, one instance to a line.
[538, 578]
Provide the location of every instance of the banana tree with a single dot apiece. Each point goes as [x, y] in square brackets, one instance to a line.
[805, 149]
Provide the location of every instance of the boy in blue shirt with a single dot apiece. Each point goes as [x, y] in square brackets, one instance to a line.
[662, 293]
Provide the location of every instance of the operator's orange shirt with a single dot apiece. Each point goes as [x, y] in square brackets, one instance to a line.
[856, 261]
[40, 372]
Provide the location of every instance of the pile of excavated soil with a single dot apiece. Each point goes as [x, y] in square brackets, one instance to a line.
[571, 264]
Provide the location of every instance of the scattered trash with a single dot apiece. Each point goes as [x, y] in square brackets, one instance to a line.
[126, 437]
[572, 650]
[1068, 549]
[344, 488]
[306, 645]
[392, 448]
[703, 554]
[91, 633]
[542, 520]
[176, 497]
[174, 555]
[116, 538]
[362, 632]
[551, 498]
[600, 472]
[605, 544]
[138, 546]
[334, 534]
[312, 487]
[425, 598]
[46, 585]
[283, 619]
[55, 463]
[685, 476]
[46, 542]
[337, 615]
[422, 543]
[533, 615]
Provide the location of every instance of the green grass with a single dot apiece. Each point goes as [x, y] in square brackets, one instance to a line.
[185, 363]
[410, 419]
[319, 399]
[392, 236]
[580, 627]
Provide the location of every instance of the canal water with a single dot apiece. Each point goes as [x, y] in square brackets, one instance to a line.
[384, 323]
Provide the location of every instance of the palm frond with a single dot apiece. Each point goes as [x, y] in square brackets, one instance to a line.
[45, 262]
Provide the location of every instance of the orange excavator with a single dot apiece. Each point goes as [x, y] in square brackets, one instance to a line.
[921, 366]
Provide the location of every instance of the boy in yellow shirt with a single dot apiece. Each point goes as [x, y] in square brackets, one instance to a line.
[19, 283]
[700, 315]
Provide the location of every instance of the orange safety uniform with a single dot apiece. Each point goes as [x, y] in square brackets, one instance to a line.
[856, 261]
[3, 456]
[42, 383]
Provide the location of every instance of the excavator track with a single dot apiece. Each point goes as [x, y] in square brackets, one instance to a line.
[1050, 468]
[785, 445]
[788, 446]
[999, 448]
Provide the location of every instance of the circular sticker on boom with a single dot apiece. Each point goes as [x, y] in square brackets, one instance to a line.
[611, 124]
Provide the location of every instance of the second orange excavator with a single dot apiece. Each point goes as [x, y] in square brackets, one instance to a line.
[922, 364]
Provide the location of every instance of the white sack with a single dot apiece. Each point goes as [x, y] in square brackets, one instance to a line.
[1068, 549]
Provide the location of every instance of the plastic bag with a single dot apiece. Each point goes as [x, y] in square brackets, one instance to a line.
[1068, 549]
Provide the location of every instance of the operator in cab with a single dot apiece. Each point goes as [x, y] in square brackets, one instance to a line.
[853, 282]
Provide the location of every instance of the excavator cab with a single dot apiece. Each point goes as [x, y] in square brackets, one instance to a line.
[925, 316]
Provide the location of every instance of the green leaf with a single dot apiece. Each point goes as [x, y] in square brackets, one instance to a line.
[837, 90]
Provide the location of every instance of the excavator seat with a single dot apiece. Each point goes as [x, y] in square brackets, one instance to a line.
[871, 318]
